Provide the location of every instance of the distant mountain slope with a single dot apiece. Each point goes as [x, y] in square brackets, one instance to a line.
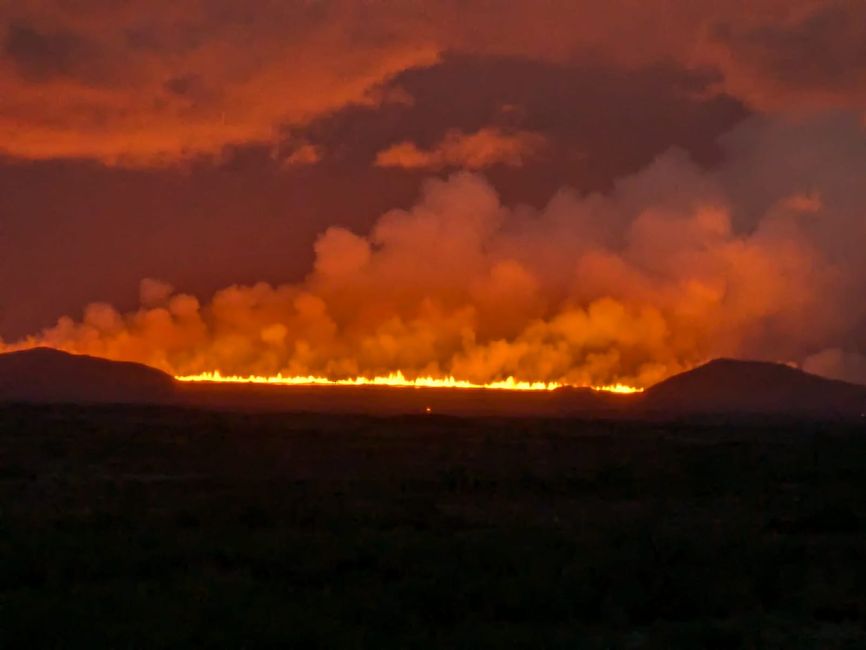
[730, 386]
[47, 375]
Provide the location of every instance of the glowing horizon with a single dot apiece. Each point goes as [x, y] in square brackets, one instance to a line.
[397, 380]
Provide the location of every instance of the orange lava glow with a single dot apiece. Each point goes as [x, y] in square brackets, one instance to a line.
[394, 379]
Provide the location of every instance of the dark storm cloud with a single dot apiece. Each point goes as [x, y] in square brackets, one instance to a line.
[177, 80]
[815, 58]
[262, 66]
[598, 122]
[42, 56]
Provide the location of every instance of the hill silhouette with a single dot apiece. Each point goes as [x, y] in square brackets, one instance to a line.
[48, 375]
[723, 386]
[745, 387]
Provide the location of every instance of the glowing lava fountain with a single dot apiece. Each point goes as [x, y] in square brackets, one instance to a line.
[397, 380]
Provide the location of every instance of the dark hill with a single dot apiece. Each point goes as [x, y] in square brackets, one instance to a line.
[727, 386]
[724, 386]
[46, 375]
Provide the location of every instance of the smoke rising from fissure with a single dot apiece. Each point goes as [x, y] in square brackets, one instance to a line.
[757, 258]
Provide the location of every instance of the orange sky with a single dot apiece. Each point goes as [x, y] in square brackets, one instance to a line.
[652, 183]
[143, 82]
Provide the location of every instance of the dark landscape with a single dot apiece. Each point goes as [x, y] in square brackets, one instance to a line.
[178, 525]
[724, 387]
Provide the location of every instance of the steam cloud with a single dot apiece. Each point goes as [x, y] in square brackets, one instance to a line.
[760, 257]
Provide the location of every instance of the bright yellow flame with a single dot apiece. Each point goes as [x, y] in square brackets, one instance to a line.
[396, 379]
[622, 389]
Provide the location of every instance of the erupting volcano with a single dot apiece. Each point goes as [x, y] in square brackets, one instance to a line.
[365, 234]
[462, 291]
[432, 323]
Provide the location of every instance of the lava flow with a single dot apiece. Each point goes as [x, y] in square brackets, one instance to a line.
[396, 379]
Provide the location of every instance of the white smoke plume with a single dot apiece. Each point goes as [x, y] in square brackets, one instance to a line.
[760, 257]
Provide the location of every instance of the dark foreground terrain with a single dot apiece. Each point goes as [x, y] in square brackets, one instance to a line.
[150, 527]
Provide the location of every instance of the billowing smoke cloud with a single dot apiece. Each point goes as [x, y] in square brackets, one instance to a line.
[759, 258]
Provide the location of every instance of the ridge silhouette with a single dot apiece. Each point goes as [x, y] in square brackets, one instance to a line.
[48, 375]
[723, 386]
[745, 387]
